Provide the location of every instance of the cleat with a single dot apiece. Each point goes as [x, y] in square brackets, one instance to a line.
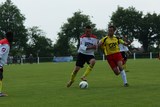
[69, 83]
[126, 85]
[3, 95]
[83, 79]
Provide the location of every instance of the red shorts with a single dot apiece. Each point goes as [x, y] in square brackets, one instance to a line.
[113, 59]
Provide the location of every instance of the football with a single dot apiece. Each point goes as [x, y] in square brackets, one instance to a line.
[83, 85]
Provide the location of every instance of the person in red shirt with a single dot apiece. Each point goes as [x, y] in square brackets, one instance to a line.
[4, 51]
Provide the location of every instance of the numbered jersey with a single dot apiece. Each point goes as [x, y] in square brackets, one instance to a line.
[110, 45]
[85, 42]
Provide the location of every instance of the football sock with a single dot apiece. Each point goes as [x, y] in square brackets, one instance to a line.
[124, 78]
[88, 70]
[0, 86]
[124, 66]
[73, 75]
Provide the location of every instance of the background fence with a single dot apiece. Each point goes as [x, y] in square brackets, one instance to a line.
[98, 57]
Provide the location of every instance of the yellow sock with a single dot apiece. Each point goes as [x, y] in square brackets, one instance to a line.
[73, 75]
[88, 70]
[0, 86]
[124, 66]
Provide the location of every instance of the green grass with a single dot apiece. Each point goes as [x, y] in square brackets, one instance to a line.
[44, 85]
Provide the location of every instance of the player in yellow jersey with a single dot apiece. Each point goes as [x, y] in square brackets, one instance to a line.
[112, 53]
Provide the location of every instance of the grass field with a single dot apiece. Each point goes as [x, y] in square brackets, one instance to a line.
[44, 85]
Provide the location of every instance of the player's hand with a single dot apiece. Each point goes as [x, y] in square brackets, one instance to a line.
[92, 47]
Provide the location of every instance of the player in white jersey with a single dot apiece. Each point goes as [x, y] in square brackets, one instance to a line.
[4, 51]
[124, 51]
[88, 45]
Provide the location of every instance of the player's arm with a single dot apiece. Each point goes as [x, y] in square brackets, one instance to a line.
[129, 52]
[101, 43]
[129, 42]
[91, 47]
[82, 45]
[94, 46]
[123, 42]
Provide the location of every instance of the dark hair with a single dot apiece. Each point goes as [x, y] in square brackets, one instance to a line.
[9, 36]
[111, 26]
[88, 27]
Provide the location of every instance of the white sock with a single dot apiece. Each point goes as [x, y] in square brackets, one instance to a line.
[124, 77]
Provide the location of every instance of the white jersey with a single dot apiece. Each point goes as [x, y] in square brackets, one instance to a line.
[4, 51]
[123, 48]
[87, 41]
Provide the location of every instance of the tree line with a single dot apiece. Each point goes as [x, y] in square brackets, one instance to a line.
[33, 40]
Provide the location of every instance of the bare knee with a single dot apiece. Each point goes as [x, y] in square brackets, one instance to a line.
[92, 62]
[116, 71]
[76, 69]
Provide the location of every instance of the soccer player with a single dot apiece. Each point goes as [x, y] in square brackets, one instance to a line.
[4, 51]
[125, 51]
[88, 45]
[112, 53]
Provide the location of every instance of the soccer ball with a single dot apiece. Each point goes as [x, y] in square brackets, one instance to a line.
[83, 85]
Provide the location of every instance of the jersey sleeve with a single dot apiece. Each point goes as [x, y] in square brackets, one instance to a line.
[102, 45]
[102, 40]
[121, 41]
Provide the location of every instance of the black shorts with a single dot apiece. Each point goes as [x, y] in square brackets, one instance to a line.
[124, 55]
[82, 58]
[1, 73]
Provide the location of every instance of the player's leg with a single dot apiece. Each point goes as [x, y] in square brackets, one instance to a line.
[89, 68]
[79, 64]
[117, 67]
[122, 72]
[112, 64]
[124, 59]
[1, 77]
[125, 62]
[73, 75]
[118, 58]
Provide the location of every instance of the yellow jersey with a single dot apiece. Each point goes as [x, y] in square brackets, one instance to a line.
[110, 44]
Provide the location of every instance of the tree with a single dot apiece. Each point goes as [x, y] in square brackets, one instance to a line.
[149, 30]
[127, 21]
[62, 45]
[99, 33]
[133, 23]
[38, 44]
[12, 20]
[70, 33]
[75, 26]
